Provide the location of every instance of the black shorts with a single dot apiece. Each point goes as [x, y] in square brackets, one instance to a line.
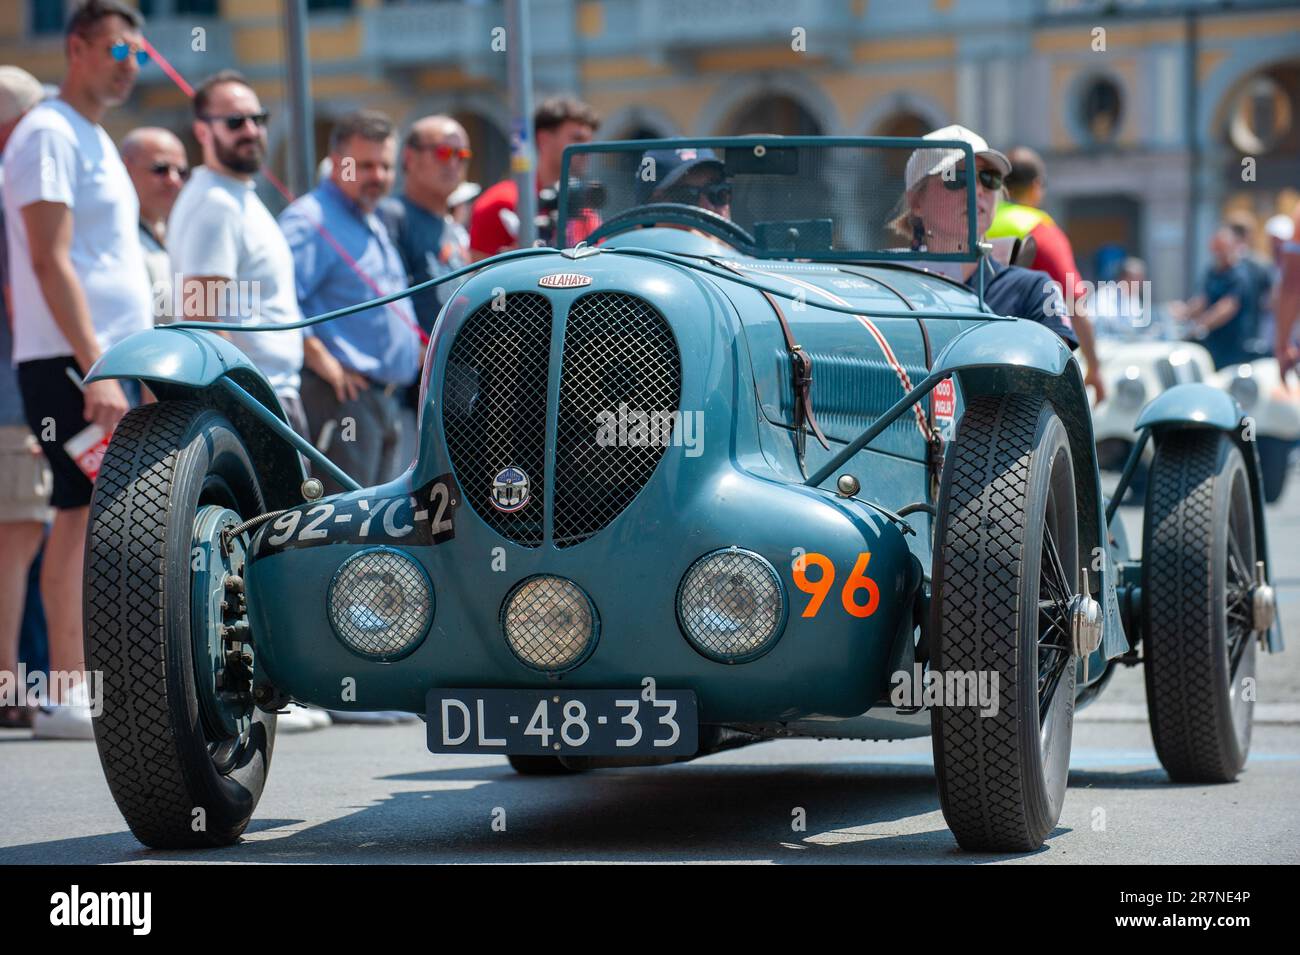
[55, 412]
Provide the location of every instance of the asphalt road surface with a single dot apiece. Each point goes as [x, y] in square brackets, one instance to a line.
[374, 794]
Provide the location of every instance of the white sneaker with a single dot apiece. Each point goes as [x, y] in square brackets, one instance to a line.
[69, 720]
[299, 719]
[373, 718]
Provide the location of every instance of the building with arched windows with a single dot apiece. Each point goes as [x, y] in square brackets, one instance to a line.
[1156, 117]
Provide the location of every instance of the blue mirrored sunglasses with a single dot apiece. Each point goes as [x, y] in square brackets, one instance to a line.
[123, 49]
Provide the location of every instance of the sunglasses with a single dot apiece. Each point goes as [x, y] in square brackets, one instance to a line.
[990, 180]
[717, 193]
[121, 50]
[444, 153]
[166, 169]
[235, 121]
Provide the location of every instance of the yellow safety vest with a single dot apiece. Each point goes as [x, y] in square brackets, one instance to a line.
[1016, 221]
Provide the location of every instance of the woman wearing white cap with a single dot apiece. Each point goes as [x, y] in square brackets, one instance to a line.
[934, 219]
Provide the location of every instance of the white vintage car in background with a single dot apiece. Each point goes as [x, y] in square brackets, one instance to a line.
[1135, 371]
[1143, 362]
[1274, 408]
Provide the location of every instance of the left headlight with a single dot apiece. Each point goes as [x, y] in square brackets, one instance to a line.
[730, 605]
[380, 603]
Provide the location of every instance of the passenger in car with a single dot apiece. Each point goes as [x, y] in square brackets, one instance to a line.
[933, 219]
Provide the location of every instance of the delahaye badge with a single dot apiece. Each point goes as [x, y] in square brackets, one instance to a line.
[509, 490]
[564, 280]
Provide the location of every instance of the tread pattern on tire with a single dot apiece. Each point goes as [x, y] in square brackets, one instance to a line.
[982, 784]
[124, 621]
[1184, 677]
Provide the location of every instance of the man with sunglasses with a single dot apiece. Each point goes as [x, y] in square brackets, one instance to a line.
[78, 287]
[155, 160]
[435, 157]
[232, 261]
[687, 176]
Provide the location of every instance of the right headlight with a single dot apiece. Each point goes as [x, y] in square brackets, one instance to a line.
[731, 606]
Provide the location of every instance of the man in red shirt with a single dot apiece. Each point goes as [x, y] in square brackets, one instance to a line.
[558, 122]
[1022, 217]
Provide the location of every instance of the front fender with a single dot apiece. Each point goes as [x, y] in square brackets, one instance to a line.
[1191, 406]
[182, 364]
[1001, 357]
[1203, 406]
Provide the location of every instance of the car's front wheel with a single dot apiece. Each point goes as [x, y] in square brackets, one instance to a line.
[1006, 567]
[184, 750]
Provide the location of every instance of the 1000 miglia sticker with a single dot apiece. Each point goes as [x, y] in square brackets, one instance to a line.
[425, 516]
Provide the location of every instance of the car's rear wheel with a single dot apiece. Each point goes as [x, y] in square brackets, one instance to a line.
[1198, 563]
[1006, 569]
[184, 750]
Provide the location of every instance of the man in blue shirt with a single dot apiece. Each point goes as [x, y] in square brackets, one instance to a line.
[1225, 314]
[357, 366]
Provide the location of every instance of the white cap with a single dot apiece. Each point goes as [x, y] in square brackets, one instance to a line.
[19, 92]
[932, 162]
[1280, 227]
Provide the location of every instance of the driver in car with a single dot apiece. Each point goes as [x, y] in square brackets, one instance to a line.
[688, 176]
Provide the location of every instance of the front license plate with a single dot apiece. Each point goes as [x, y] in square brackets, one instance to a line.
[572, 722]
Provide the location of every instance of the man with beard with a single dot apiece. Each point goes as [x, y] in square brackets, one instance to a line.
[78, 287]
[234, 264]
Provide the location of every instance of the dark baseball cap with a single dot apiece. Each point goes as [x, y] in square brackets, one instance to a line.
[670, 165]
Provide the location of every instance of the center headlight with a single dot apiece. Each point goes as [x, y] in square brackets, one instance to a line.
[730, 605]
[550, 623]
[380, 603]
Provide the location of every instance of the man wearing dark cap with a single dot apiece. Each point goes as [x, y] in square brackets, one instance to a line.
[689, 176]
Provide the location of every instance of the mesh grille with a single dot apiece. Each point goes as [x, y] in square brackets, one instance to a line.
[494, 408]
[379, 603]
[549, 623]
[620, 360]
[731, 604]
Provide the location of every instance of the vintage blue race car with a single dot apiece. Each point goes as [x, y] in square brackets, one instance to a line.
[703, 480]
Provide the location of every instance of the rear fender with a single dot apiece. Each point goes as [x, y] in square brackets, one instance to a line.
[1203, 406]
[1001, 357]
[184, 364]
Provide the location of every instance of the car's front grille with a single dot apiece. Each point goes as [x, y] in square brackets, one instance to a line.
[620, 385]
[494, 409]
[1165, 372]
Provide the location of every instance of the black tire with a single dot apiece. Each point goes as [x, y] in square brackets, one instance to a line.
[1274, 460]
[162, 759]
[1002, 586]
[1198, 559]
[540, 766]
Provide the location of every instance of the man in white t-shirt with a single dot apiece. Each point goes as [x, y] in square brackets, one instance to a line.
[234, 263]
[78, 286]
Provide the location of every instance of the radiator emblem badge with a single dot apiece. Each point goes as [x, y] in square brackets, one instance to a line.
[564, 280]
[510, 490]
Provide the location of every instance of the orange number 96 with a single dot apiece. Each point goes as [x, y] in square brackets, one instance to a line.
[819, 588]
